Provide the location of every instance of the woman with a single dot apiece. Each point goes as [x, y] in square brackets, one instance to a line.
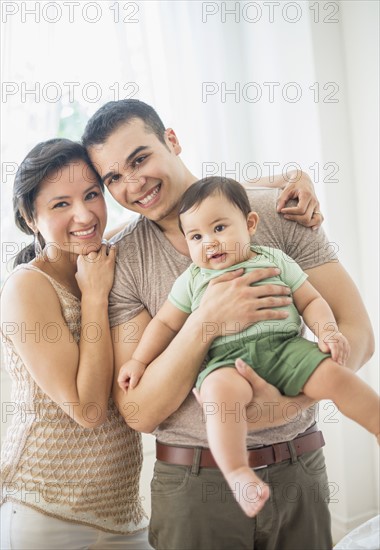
[70, 464]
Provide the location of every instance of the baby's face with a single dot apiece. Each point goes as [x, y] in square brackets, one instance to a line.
[217, 233]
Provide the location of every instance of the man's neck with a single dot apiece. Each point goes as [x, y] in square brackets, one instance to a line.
[169, 225]
[177, 239]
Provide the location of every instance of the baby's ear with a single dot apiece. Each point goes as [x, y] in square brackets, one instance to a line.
[252, 221]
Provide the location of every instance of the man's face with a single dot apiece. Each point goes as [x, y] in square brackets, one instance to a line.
[140, 172]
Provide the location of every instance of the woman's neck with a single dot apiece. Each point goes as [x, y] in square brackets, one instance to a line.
[62, 270]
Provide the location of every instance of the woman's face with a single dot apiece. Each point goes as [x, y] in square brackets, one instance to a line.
[70, 211]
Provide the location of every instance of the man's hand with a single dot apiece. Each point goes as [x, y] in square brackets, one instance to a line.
[269, 408]
[231, 304]
[307, 212]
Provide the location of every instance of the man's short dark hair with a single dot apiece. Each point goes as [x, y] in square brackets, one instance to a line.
[232, 190]
[115, 113]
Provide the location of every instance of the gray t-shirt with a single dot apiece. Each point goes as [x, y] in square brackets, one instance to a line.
[146, 268]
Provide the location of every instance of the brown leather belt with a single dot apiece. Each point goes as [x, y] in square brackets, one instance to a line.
[311, 440]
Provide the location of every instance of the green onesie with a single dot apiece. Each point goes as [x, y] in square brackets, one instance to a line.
[274, 348]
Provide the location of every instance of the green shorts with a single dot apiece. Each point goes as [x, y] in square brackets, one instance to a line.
[285, 361]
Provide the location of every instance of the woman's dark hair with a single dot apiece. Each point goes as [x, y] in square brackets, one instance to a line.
[44, 159]
[232, 190]
[115, 113]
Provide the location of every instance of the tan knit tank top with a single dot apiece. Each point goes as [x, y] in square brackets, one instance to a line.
[51, 463]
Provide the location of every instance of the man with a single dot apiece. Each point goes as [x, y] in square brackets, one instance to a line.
[191, 506]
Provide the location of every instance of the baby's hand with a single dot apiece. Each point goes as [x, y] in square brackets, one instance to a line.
[130, 374]
[336, 344]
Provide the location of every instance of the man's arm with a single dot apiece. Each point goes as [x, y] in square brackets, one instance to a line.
[353, 322]
[295, 185]
[318, 316]
[168, 379]
[348, 309]
[316, 255]
[156, 337]
[159, 333]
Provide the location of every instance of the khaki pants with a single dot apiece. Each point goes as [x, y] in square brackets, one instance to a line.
[194, 509]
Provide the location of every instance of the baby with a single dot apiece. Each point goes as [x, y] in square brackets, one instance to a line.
[216, 219]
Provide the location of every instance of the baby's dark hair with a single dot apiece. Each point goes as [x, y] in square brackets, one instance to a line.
[232, 190]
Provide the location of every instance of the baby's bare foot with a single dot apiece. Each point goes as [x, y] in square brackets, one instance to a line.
[249, 490]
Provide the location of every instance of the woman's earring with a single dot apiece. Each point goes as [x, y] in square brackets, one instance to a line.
[37, 245]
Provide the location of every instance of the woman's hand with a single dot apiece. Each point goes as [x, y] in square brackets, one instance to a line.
[95, 271]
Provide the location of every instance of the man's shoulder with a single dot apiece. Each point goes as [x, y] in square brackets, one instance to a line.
[262, 193]
[134, 229]
[263, 200]
[133, 243]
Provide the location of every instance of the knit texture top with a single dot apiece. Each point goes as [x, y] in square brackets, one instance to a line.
[54, 465]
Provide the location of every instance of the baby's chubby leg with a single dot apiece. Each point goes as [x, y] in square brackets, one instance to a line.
[353, 397]
[225, 394]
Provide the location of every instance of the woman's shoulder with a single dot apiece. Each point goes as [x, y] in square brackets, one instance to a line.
[26, 287]
[25, 274]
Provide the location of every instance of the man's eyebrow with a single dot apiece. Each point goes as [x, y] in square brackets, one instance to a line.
[127, 160]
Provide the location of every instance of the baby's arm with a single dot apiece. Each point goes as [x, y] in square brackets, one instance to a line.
[321, 321]
[157, 336]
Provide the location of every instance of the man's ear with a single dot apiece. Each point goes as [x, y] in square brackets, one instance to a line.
[172, 141]
[252, 221]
